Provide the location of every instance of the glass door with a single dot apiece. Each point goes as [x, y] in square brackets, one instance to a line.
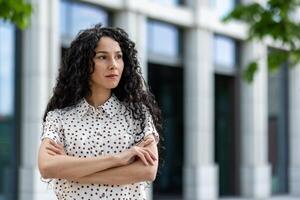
[226, 135]
[167, 85]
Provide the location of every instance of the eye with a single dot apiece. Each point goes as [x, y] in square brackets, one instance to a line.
[101, 57]
[119, 56]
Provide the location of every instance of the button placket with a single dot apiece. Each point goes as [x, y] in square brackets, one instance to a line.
[100, 119]
[98, 130]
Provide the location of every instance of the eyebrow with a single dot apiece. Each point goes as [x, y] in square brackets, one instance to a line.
[106, 52]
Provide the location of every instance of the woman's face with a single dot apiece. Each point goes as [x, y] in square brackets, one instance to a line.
[109, 64]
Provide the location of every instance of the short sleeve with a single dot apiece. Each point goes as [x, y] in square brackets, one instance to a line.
[52, 127]
[150, 127]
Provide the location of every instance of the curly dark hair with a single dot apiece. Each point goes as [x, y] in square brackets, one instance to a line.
[73, 82]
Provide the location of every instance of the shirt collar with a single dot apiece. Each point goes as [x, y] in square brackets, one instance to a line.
[111, 106]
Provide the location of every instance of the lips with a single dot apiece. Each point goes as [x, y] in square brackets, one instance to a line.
[112, 76]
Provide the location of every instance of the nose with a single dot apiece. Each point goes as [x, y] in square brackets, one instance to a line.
[113, 64]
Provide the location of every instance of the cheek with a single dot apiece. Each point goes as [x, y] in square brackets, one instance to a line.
[96, 75]
[98, 70]
[121, 68]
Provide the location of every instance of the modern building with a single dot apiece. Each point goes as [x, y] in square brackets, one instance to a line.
[223, 137]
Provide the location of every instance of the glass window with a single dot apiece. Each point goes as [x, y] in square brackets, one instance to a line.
[278, 129]
[169, 2]
[76, 16]
[8, 158]
[223, 7]
[166, 82]
[227, 145]
[225, 52]
[163, 39]
[7, 69]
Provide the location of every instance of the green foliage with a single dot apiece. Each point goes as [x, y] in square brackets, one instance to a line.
[272, 20]
[250, 71]
[15, 11]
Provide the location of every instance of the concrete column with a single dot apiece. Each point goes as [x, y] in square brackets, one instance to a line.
[200, 171]
[54, 42]
[38, 57]
[135, 24]
[255, 170]
[294, 135]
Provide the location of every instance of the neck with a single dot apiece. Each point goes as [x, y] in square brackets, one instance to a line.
[98, 97]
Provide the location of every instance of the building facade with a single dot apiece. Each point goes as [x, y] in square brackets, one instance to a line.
[223, 137]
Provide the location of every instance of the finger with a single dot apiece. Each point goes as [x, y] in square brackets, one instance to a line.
[148, 141]
[53, 149]
[61, 146]
[148, 157]
[140, 144]
[58, 145]
[53, 144]
[145, 142]
[51, 153]
[141, 156]
[151, 154]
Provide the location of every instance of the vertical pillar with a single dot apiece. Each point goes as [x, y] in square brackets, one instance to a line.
[255, 170]
[200, 171]
[294, 136]
[38, 40]
[135, 24]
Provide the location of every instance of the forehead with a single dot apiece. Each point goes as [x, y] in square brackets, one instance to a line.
[108, 44]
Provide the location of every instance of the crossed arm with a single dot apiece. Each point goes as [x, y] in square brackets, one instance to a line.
[122, 168]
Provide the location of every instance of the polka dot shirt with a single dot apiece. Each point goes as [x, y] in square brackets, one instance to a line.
[86, 131]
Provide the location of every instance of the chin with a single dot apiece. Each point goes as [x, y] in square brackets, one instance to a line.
[113, 86]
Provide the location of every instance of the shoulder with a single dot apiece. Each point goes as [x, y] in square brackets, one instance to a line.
[60, 113]
[52, 114]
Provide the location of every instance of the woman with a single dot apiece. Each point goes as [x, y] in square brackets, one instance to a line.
[100, 130]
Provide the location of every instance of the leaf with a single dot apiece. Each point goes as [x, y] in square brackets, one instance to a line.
[16, 11]
[276, 59]
[294, 57]
[274, 20]
[247, 13]
[248, 73]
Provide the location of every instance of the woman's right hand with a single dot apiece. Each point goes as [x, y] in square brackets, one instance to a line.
[141, 151]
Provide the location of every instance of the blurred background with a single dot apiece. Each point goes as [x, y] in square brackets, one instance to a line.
[223, 137]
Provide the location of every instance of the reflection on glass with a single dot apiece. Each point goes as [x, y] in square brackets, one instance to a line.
[163, 39]
[7, 69]
[167, 85]
[278, 129]
[224, 52]
[8, 166]
[168, 2]
[76, 16]
[223, 7]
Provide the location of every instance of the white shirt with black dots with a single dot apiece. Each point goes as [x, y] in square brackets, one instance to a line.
[86, 131]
